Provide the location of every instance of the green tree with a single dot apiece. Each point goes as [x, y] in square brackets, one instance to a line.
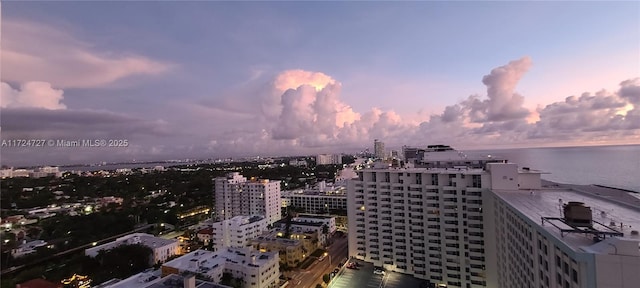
[122, 262]
[326, 278]
[319, 285]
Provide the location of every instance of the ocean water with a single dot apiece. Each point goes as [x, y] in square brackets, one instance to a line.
[615, 166]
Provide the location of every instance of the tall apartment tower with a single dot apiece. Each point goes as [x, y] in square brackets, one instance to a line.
[419, 221]
[235, 195]
[378, 149]
[492, 225]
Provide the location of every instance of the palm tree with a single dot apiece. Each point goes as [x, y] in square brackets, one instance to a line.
[325, 231]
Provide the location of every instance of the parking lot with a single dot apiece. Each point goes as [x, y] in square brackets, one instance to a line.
[360, 278]
[364, 277]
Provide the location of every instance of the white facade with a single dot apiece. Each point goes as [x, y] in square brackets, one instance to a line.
[257, 269]
[321, 199]
[162, 248]
[317, 203]
[541, 255]
[319, 221]
[424, 222]
[324, 220]
[237, 196]
[237, 231]
[462, 227]
[328, 159]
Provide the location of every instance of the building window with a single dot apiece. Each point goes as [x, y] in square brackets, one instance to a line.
[476, 181]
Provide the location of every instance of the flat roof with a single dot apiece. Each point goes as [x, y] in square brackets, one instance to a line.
[546, 203]
[272, 237]
[154, 242]
[313, 216]
[245, 220]
[177, 281]
[465, 170]
[134, 281]
[208, 260]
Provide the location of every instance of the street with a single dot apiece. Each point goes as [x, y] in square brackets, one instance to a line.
[313, 275]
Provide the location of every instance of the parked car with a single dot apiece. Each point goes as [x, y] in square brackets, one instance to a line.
[335, 271]
[378, 272]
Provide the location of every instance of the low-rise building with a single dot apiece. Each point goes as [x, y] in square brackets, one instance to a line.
[237, 231]
[153, 280]
[162, 248]
[291, 252]
[307, 228]
[38, 283]
[329, 221]
[205, 235]
[323, 198]
[27, 248]
[256, 269]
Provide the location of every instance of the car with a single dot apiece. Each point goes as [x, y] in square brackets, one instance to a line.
[321, 258]
[352, 267]
[335, 271]
[378, 272]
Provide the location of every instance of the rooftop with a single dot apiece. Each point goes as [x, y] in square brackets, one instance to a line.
[151, 279]
[134, 281]
[272, 236]
[314, 216]
[150, 240]
[465, 170]
[548, 203]
[177, 281]
[203, 261]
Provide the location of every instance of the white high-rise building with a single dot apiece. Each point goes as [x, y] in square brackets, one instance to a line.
[492, 227]
[424, 222]
[328, 159]
[378, 149]
[235, 195]
[237, 231]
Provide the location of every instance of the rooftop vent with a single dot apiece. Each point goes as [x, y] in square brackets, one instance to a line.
[575, 213]
[635, 234]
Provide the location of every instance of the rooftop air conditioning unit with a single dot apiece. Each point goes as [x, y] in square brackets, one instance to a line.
[575, 213]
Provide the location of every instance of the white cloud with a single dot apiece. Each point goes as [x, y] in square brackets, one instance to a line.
[37, 52]
[32, 95]
[305, 112]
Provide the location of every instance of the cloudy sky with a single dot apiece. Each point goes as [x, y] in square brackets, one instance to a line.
[216, 79]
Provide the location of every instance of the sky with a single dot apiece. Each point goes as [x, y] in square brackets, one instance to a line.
[227, 79]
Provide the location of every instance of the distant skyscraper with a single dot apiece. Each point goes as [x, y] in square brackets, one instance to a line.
[378, 149]
[237, 196]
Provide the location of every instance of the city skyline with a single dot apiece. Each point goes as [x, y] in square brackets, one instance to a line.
[217, 79]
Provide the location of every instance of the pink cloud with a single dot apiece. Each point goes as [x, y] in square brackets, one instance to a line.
[32, 95]
[36, 52]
